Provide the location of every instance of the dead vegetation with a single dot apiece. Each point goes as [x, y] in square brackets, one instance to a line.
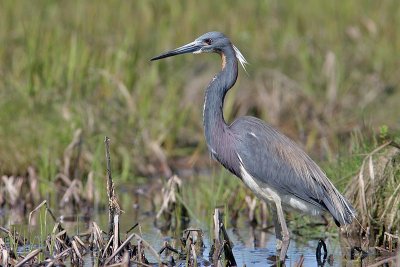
[74, 193]
[172, 214]
[375, 193]
[19, 194]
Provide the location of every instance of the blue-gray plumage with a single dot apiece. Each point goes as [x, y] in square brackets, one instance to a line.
[275, 168]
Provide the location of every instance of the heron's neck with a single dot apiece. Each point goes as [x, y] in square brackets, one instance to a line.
[213, 118]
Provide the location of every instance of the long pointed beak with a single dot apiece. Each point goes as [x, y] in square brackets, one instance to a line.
[192, 47]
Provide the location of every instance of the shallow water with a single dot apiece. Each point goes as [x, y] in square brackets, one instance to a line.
[249, 250]
[255, 250]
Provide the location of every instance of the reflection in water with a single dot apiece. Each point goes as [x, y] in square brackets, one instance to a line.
[254, 247]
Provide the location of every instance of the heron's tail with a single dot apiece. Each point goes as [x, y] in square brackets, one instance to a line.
[342, 211]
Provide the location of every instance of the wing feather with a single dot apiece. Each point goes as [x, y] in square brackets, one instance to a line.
[274, 159]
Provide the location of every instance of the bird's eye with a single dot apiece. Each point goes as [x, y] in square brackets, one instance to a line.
[208, 41]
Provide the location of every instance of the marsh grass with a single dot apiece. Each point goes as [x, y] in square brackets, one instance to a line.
[374, 190]
[326, 73]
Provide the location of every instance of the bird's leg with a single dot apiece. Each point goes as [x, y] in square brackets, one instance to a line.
[278, 229]
[281, 218]
[284, 230]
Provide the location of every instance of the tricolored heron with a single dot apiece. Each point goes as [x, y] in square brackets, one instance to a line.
[273, 166]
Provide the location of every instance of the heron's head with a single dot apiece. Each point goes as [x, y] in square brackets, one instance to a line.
[208, 42]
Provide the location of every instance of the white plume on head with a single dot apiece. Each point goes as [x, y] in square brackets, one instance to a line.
[241, 58]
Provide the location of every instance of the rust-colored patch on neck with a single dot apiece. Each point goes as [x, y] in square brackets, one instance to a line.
[223, 57]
